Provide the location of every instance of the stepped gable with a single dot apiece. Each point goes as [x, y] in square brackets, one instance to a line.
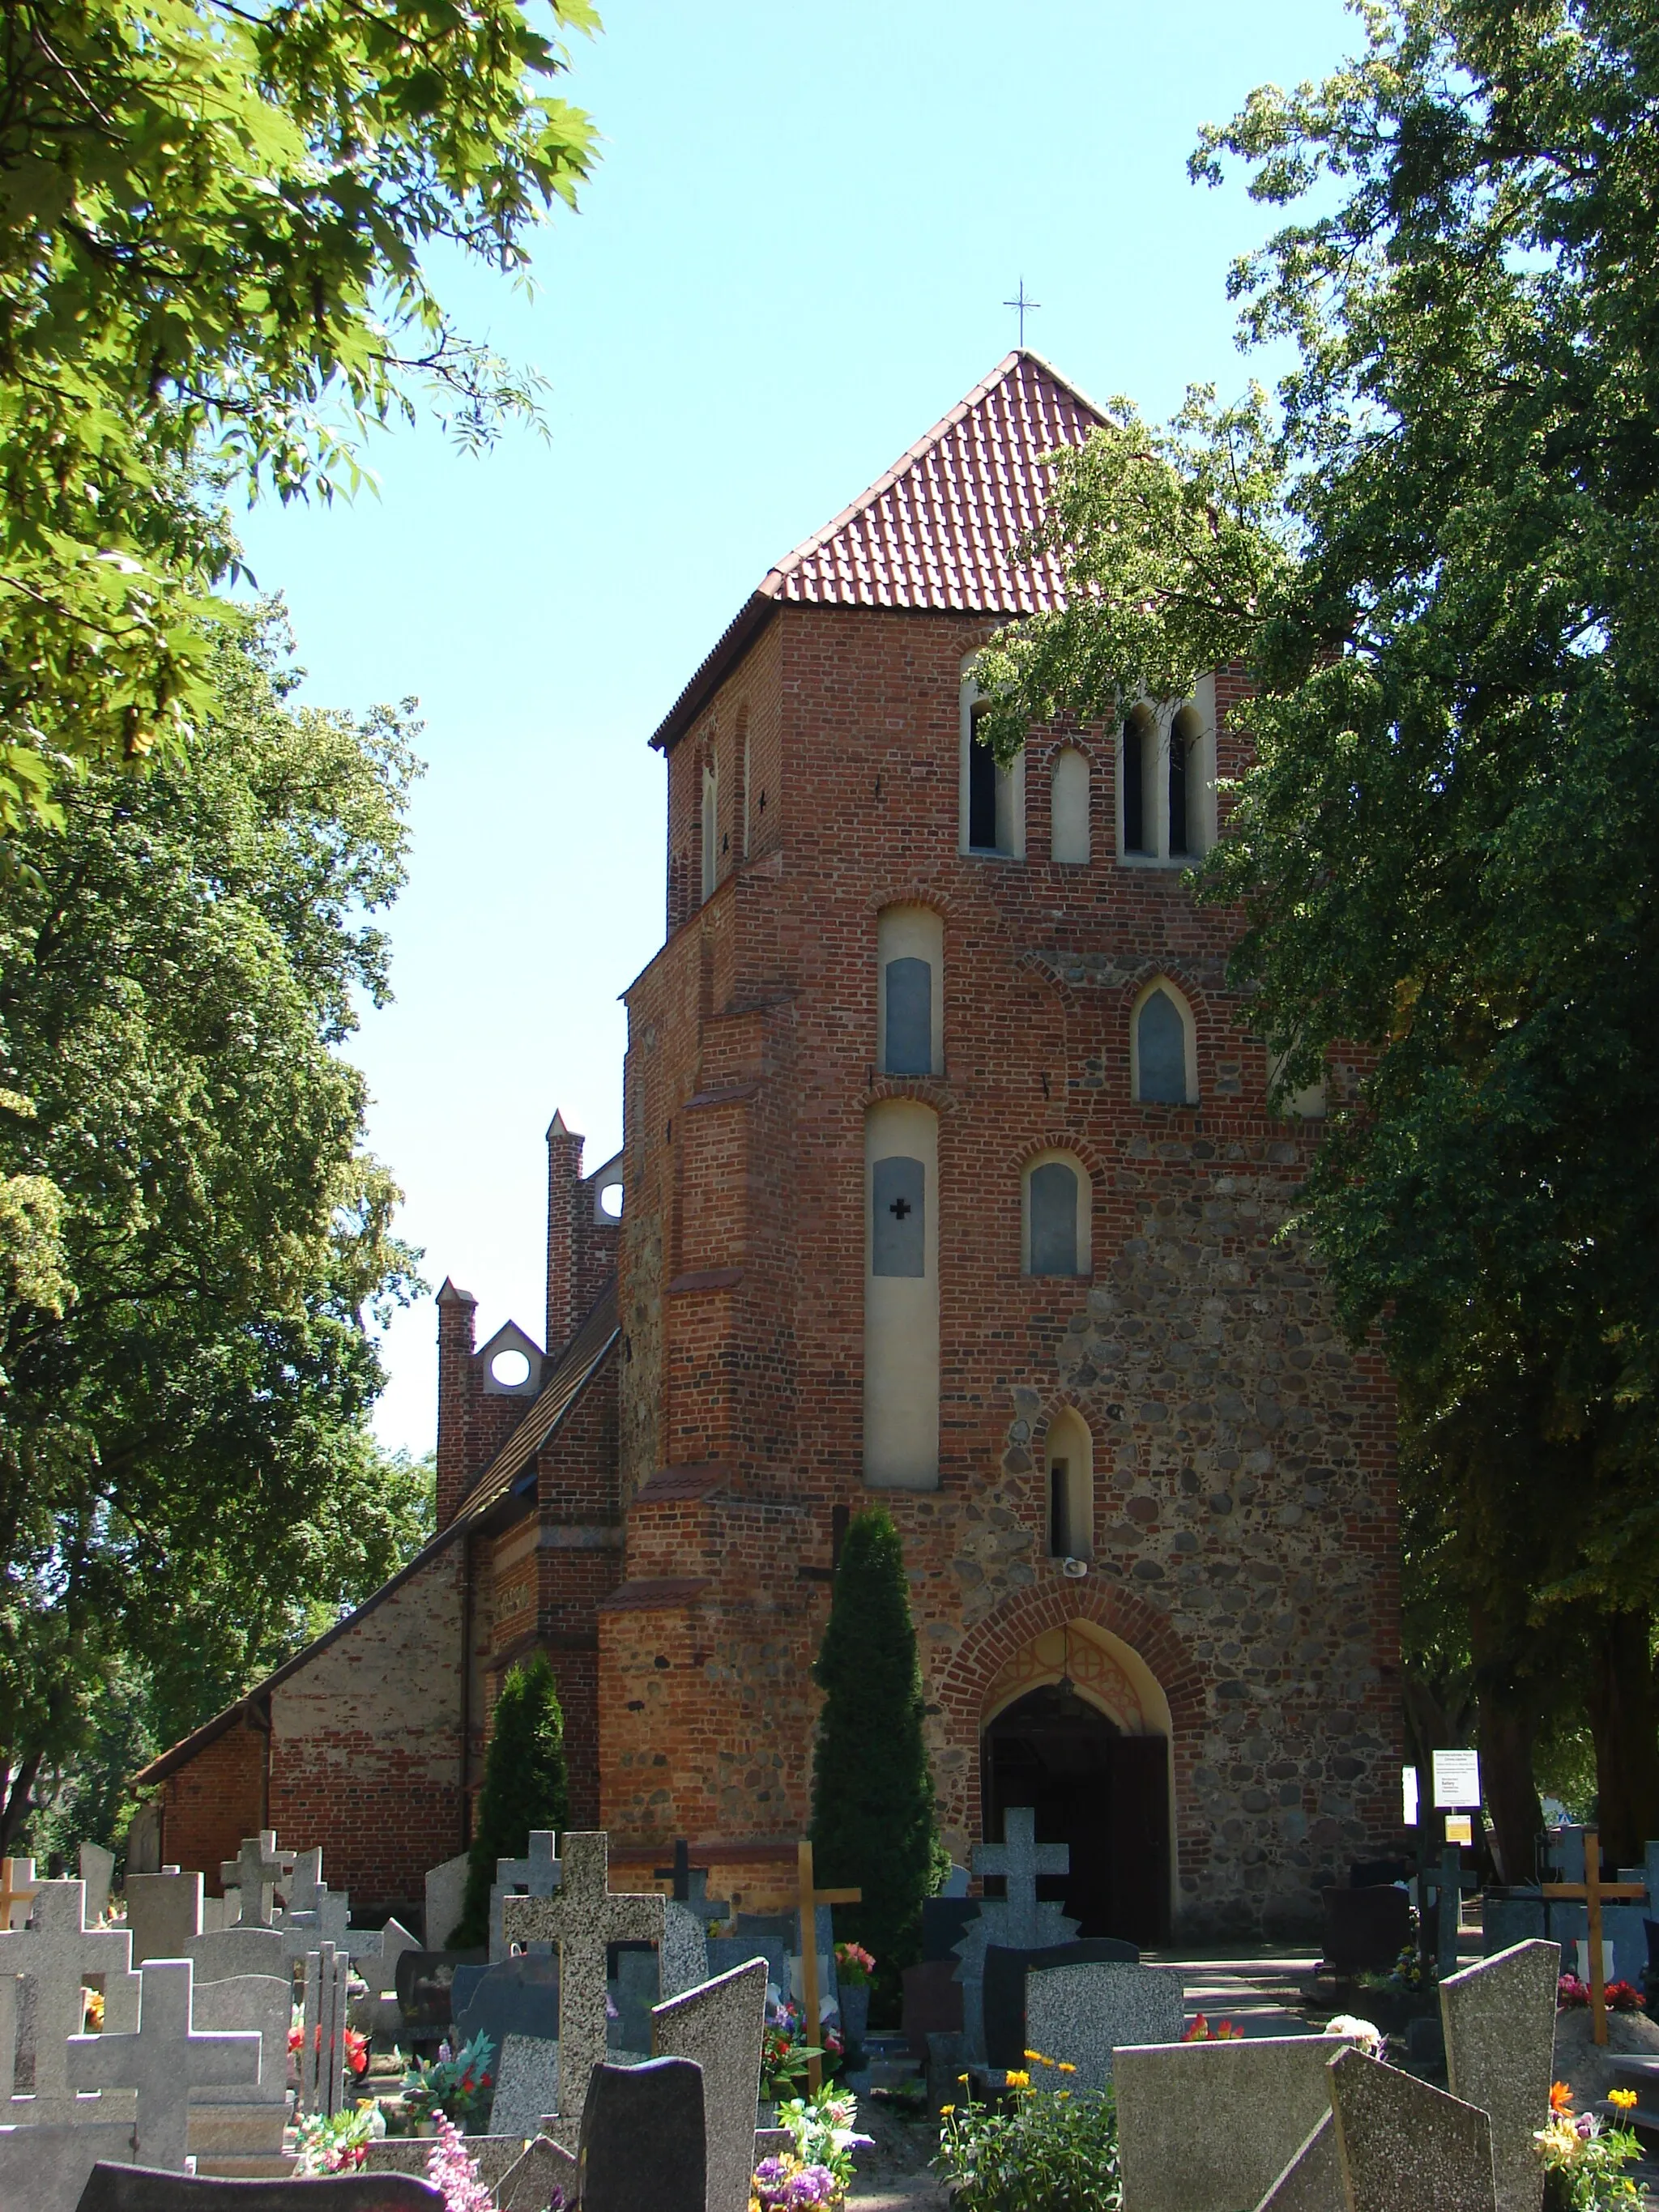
[938, 532]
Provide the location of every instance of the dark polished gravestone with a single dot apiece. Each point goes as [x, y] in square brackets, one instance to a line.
[424, 1986]
[519, 1997]
[142, 2189]
[1006, 1969]
[643, 2145]
[1365, 1930]
[944, 1924]
[932, 2003]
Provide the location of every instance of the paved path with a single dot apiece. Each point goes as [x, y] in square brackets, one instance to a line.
[1256, 1989]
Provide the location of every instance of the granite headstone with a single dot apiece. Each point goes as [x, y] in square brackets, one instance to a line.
[1082, 2014]
[1403, 2143]
[1499, 2021]
[721, 2026]
[1208, 2127]
[642, 2146]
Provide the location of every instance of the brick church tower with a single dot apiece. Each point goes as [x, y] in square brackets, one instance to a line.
[949, 1179]
[953, 1181]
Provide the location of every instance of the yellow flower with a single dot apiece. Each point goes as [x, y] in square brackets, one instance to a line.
[1065, 2066]
[1623, 2097]
[946, 2111]
[961, 2077]
[1039, 2058]
[1018, 2079]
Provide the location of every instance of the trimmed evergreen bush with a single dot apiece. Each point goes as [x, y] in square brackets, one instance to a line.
[873, 1822]
[524, 1787]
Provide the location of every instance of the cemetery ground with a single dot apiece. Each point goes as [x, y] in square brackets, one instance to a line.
[646, 2051]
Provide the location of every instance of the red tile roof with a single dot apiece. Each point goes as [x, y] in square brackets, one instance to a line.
[937, 531]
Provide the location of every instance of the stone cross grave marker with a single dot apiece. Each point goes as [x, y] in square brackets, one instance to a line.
[322, 2053]
[57, 1951]
[1403, 2143]
[1017, 1922]
[808, 1899]
[1499, 2020]
[255, 1871]
[1592, 1892]
[164, 2059]
[17, 1887]
[721, 2026]
[538, 1873]
[582, 1918]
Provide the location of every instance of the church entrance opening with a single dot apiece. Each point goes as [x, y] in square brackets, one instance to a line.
[1078, 1729]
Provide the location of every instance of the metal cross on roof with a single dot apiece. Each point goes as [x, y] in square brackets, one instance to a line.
[1022, 306]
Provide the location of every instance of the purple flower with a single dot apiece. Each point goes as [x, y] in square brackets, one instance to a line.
[813, 2185]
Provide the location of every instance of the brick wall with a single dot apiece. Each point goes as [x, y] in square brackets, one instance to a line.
[1245, 1537]
[208, 1805]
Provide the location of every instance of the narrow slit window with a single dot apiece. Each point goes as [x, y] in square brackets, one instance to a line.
[1161, 1052]
[1134, 786]
[1179, 838]
[1059, 1519]
[1053, 1220]
[981, 789]
[898, 1193]
[909, 1041]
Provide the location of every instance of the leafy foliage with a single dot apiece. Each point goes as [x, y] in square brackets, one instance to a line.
[525, 1786]
[215, 228]
[1433, 560]
[873, 1824]
[187, 1481]
[1044, 2149]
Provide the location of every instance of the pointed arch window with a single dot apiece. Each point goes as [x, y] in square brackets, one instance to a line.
[1163, 1047]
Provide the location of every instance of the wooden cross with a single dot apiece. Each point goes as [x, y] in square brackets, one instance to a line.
[17, 1886]
[811, 1898]
[1591, 1892]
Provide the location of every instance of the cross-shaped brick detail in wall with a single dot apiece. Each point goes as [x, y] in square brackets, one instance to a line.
[164, 2061]
[583, 1919]
[900, 1209]
[1019, 1858]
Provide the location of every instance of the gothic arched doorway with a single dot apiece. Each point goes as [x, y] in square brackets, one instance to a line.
[1092, 1762]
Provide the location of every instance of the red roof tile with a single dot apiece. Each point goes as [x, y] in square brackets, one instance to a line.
[937, 531]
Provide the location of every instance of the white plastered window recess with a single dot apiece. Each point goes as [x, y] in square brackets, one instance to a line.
[1055, 1209]
[1304, 1102]
[992, 799]
[910, 991]
[1162, 1047]
[1166, 806]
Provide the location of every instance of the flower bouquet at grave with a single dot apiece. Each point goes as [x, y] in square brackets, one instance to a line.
[337, 2142]
[93, 2022]
[1584, 2160]
[785, 2052]
[854, 1965]
[455, 2085]
[455, 2176]
[817, 2168]
[1035, 2150]
[1201, 2029]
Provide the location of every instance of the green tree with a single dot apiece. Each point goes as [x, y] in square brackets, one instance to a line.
[873, 1823]
[1432, 557]
[218, 228]
[524, 1787]
[187, 1478]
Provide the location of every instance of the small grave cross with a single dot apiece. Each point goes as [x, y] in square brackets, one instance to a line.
[1591, 1892]
[809, 1899]
[1019, 1858]
[583, 1919]
[322, 2048]
[57, 1951]
[17, 1886]
[257, 1867]
[538, 1873]
[164, 2060]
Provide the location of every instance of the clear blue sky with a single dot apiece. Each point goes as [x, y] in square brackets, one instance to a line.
[790, 261]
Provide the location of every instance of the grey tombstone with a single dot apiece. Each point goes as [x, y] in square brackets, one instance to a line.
[519, 1997]
[97, 1872]
[638, 1986]
[164, 2059]
[231, 1953]
[1499, 2020]
[1207, 2127]
[1082, 2014]
[44, 2169]
[445, 1892]
[768, 1936]
[131, 2188]
[545, 2174]
[240, 2126]
[682, 1958]
[1003, 1988]
[164, 1911]
[57, 1952]
[1312, 2182]
[301, 1888]
[527, 2085]
[1402, 2143]
[536, 1874]
[1019, 1921]
[254, 1873]
[322, 2052]
[642, 2146]
[721, 2026]
[583, 1919]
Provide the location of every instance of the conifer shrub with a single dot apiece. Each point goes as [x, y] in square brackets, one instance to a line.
[524, 1787]
[873, 1822]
